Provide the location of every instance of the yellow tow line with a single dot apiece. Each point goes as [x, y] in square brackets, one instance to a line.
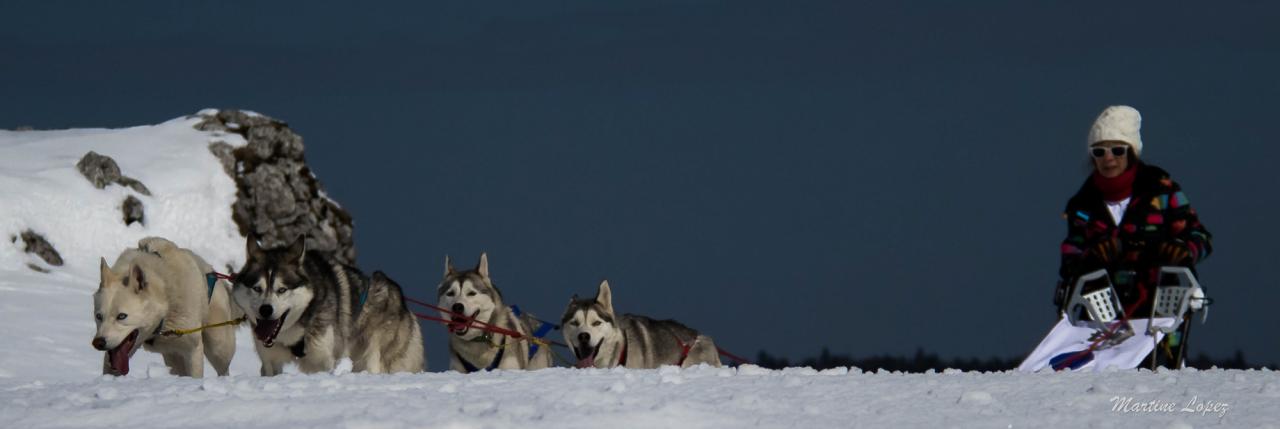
[181, 332]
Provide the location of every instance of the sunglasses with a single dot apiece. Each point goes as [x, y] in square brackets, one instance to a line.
[1117, 151]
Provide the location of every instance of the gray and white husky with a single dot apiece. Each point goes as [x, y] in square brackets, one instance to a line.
[471, 348]
[601, 339]
[157, 287]
[388, 338]
[306, 308]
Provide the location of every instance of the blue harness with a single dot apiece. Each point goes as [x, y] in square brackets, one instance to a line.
[211, 279]
[364, 295]
[543, 329]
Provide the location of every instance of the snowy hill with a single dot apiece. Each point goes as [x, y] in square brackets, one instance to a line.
[50, 375]
[42, 191]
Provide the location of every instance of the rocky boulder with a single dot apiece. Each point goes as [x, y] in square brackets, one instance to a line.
[132, 209]
[278, 197]
[101, 171]
[35, 244]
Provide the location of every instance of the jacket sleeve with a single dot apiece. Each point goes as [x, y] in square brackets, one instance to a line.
[1184, 225]
[1072, 252]
[1074, 245]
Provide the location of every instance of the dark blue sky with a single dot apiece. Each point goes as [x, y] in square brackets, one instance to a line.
[780, 175]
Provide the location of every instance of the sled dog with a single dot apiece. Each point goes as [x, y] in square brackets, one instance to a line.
[601, 339]
[309, 309]
[155, 288]
[388, 338]
[471, 348]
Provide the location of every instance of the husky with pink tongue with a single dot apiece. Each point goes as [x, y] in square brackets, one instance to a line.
[301, 305]
[601, 338]
[153, 290]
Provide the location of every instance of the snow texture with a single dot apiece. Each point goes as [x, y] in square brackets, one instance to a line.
[50, 375]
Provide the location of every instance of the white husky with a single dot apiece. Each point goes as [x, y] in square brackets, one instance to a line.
[161, 287]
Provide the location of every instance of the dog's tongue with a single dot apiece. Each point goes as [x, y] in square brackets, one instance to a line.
[266, 330]
[120, 361]
[119, 356]
[458, 327]
[587, 362]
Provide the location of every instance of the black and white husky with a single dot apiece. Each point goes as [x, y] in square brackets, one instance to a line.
[471, 348]
[307, 308]
[601, 339]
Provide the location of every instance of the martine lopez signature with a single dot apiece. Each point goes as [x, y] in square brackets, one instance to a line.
[1126, 404]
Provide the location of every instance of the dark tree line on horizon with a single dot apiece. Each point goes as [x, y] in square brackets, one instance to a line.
[924, 362]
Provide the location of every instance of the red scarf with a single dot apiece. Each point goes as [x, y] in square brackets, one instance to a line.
[1116, 188]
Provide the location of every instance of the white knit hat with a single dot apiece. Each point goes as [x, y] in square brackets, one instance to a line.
[1118, 123]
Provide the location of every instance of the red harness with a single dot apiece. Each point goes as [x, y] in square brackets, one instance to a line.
[684, 351]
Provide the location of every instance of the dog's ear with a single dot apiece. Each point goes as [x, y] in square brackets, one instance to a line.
[483, 268]
[448, 266]
[298, 250]
[104, 273]
[251, 246]
[139, 278]
[604, 296]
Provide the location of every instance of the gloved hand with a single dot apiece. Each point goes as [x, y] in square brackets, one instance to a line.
[1175, 253]
[1196, 299]
[1104, 252]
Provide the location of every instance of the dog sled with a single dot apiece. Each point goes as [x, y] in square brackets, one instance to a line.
[1095, 334]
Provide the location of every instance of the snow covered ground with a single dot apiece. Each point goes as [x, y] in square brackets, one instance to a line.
[668, 397]
[50, 375]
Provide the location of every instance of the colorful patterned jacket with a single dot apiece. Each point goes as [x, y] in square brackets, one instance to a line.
[1158, 216]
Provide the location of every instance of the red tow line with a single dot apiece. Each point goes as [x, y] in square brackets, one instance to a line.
[471, 322]
[684, 353]
[733, 357]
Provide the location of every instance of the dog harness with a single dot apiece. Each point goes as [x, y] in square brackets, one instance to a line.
[622, 357]
[543, 329]
[497, 359]
[211, 279]
[684, 350]
[299, 350]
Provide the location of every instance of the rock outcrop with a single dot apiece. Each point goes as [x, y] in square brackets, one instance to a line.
[101, 171]
[278, 197]
[132, 210]
[36, 244]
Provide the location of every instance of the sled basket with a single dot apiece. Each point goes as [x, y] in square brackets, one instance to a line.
[1173, 294]
[1094, 297]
